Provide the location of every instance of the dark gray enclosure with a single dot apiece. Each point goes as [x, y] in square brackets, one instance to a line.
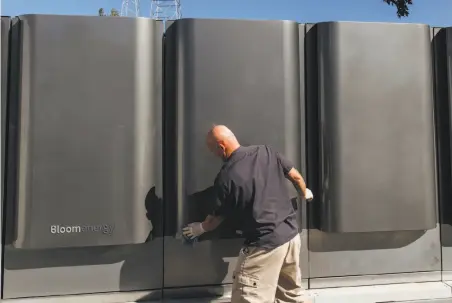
[88, 133]
[97, 191]
[368, 82]
[5, 26]
[442, 42]
[244, 74]
[85, 166]
[376, 127]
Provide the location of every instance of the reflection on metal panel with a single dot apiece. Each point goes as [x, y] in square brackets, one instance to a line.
[346, 254]
[376, 127]
[442, 42]
[88, 132]
[244, 74]
[86, 118]
[5, 26]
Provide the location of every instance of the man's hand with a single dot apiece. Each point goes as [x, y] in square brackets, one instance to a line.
[193, 230]
[309, 196]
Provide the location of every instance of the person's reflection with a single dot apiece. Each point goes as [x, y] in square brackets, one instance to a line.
[154, 213]
[202, 203]
[197, 206]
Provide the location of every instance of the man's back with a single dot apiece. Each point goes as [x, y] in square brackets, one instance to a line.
[253, 179]
[251, 189]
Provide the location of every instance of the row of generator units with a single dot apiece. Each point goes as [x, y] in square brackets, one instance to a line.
[103, 142]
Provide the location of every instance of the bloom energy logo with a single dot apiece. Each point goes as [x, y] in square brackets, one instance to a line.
[106, 229]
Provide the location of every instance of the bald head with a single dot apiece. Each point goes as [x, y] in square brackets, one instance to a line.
[220, 132]
[222, 141]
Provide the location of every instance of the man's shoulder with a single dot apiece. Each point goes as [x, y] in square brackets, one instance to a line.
[264, 148]
[222, 176]
[260, 147]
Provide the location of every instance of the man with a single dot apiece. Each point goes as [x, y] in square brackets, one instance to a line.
[250, 187]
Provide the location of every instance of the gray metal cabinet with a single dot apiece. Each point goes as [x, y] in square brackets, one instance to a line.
[5, 27]
[107, 161]
[241, 73]
[370, 112]
[442, 42]
[84, 156]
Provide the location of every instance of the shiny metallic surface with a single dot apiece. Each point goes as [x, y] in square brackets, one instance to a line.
[241, 73]
[369, 280]
[5, 24]
[105, 124]
[442, 45]
[377, 138]
[347, 246]
[85, 124]
[5, 27]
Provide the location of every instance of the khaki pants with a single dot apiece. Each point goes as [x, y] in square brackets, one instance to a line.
[263, 276]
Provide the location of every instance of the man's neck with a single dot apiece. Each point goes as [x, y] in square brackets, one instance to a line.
[231, 150]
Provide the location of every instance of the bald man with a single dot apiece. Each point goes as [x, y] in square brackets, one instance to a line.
[250, 187]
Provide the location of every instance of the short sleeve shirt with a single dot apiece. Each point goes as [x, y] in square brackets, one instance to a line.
[251, 189]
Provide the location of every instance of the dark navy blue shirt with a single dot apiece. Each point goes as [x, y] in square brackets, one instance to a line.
[251, 190]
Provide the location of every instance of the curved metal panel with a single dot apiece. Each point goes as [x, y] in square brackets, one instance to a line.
[85, 156]
[343, 255]
[241, 73]
[442, 41]
[88, 132]
[5, 27]
[5, 24]
[376, 127]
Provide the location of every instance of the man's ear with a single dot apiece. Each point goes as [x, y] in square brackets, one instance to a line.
[222, 145]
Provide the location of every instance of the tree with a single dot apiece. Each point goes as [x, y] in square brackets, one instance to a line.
[113, 12]
[402, 6]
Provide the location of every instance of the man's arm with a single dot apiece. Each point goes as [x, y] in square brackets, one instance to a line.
[214, 220]
[211, 222]
[297, 180]
[223, 205]
[291, 173]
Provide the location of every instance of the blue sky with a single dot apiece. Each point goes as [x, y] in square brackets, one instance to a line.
[433, 12]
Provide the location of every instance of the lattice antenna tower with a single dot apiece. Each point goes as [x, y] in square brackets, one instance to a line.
[166, 10]
[130, 8]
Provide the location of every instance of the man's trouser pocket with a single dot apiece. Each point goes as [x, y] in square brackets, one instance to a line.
[256, 275]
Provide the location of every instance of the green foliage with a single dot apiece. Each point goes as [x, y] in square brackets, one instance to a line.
[402, 6]
[113, 12]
